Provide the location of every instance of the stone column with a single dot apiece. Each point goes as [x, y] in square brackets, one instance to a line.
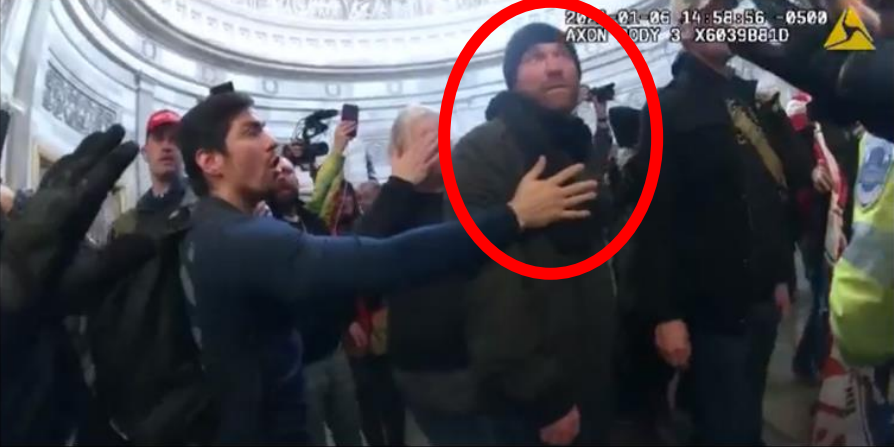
[18, 149]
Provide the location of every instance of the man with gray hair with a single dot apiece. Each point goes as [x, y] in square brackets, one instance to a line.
[422, 334]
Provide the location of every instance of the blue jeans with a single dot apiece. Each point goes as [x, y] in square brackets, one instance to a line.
[727, 377]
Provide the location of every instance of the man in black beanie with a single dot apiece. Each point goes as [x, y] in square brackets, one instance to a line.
[541, 350]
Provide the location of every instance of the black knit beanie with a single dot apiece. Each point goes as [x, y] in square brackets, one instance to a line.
[526, 37]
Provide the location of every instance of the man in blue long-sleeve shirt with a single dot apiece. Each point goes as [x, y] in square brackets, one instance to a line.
[250, 277]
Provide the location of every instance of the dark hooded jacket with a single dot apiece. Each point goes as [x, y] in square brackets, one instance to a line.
[537, 347]
[152, 212]
[720, 230]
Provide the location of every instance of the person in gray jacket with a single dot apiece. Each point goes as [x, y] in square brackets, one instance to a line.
[541, 350]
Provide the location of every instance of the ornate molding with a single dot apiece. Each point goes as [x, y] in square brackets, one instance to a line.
[333, 90]
[317, 33]
[209, 75]
[395, 87]
[100, 7]
[271, 86]
[363, 10]
[77, 109]
[149, 49]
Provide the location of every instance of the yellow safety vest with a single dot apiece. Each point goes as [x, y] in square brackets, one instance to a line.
[862, 294]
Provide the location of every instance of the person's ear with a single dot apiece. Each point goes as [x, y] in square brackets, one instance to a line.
[144, 154]
[210, 162]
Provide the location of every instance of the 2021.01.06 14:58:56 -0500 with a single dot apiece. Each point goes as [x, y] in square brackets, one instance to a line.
[641, 26]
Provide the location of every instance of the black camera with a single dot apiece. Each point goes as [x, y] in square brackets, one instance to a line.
[603, 93]
[302, 150]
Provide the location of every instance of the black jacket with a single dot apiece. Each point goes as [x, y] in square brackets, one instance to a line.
[538, 347]
[45, 398]
[718, 235]
[426, 329]
[308, 222]
[43, 391]
[152, 213]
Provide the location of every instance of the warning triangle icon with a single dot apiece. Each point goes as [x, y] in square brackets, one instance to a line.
[849, 34]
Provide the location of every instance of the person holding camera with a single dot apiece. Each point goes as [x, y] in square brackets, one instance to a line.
[327, 178]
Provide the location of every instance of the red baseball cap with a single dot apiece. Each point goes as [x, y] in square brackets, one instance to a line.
[161, 118]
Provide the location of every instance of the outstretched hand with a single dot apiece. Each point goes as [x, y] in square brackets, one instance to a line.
[802, 60]
[43, 240]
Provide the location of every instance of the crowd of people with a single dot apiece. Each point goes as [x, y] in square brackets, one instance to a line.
[225, 310]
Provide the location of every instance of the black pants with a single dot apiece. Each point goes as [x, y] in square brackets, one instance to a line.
[641, 375]
[727, 379]
[382, 411]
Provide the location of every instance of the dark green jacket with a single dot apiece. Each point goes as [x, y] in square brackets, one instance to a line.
[537, 346]
[152, 213]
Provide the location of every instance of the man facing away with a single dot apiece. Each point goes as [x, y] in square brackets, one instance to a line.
[714, 254]
[250, 278]
[542, 350]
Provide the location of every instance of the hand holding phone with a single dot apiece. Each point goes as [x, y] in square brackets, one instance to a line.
[350, 112]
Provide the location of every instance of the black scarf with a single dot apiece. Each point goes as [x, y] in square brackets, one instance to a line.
[564, 140]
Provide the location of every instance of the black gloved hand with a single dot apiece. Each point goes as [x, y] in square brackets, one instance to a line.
[39, 245]
[801, 61]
